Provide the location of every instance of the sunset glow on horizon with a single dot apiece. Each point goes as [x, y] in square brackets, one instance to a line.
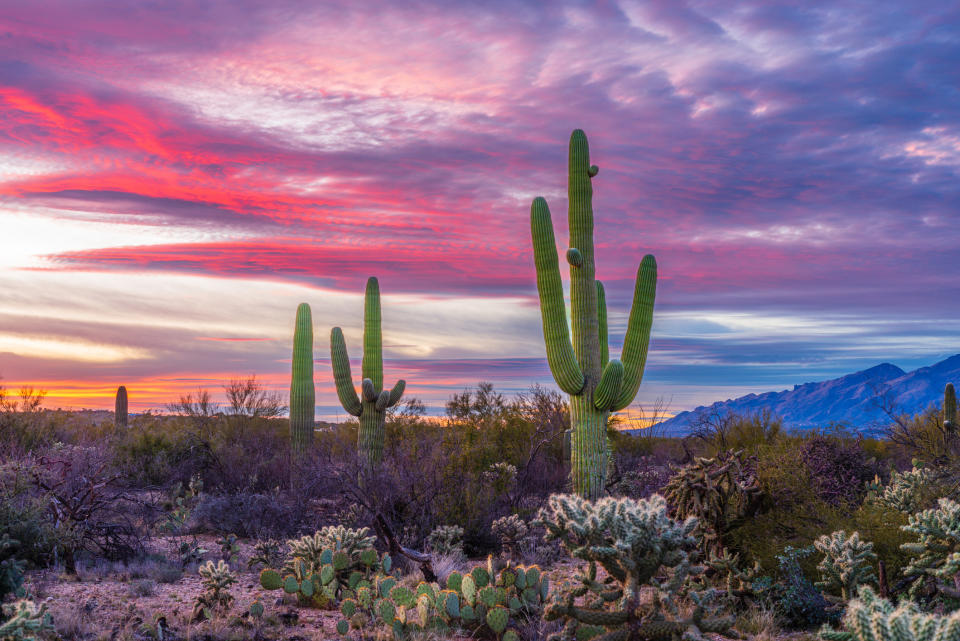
[175, 178]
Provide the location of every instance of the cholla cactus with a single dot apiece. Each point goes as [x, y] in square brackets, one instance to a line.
[739, 584]
[847, 563]
[24, 621]
[216, 597]
[907, 492]
[870, 618]
[638, 544]
[936, 556]
[716, 491]
[511, 530]
[447, 540]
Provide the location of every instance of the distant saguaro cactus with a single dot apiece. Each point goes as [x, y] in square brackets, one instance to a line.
[302, 392]
[949, 406]
[371, 409]
[583, 368]
[120, 407]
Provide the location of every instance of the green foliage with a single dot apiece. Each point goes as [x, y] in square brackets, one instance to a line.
[25, 621]
[215, 598]
[847, 563]
[302, 391]
[870, 618]
[796, 601]
[640, 548]
[582, 367]
[372, 405]
[935, 557]
[11, 569]
[719, 492]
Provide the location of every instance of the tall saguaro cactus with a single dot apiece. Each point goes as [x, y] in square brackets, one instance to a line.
[583, 368]
[120, 407]
[949, 406]
[371, 405]
[302, 392]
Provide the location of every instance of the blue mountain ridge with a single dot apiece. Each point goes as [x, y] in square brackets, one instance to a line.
[852, 400]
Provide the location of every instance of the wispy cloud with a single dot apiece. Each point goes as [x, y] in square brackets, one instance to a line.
[794, 169]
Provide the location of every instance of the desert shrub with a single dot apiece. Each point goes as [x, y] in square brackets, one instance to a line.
[488, 459]
[882, 526]
[641, 476]
[11, 568]
[267, 553]
[791, 512]
[721, 430]
[246, 514]
[924, 435]
[797, 603]
[24, 518]
[839, 468]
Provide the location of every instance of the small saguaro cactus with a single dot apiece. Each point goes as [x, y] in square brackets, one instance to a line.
[120, 407]
[302, 392]
[949, 406]
[371, 406]
[583, 368]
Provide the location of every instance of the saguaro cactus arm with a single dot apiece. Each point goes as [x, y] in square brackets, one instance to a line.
[637, 339]
[556, 332]
[397, 392]
[341, 373]
[602, 324]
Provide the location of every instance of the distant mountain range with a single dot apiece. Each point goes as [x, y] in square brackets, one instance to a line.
[851, 399]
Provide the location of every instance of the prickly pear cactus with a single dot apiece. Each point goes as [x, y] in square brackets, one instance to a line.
[847, 563]
[486, 602]
[330, 565]
[640, 547]
[582, 367]
[870, 618]
[371, 406]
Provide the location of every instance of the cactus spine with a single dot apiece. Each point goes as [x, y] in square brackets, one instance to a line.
[302, 392]
[371, 406]
[949, 406]
[583, 368]
[120, 407]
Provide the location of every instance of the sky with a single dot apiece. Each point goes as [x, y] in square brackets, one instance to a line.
[175, 177]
